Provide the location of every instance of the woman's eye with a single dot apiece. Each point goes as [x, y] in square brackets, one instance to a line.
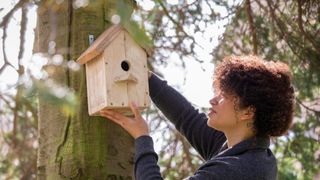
[220, 100]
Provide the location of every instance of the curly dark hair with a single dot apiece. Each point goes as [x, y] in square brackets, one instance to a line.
[264, 85]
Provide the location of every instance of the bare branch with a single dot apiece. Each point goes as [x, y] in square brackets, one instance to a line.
[186, 149]
[2, 97]
[20, 70]
[4, 24]
[168, 165]
[252, 27]
[306, 107]
[300, 24]
[8, 16]
[5, 58]
[180, 28]
[23, 27]
[285, 35]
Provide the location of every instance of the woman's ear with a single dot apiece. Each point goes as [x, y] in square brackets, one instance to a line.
[247, 113]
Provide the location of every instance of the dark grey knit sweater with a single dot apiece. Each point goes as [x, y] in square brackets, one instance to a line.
[249, 159]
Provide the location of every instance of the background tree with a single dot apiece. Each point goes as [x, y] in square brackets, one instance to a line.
[75, 145]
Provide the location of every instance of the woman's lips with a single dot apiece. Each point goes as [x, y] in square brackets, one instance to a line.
[212, 111]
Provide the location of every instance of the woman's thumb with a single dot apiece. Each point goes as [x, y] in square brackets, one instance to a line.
[135, 109]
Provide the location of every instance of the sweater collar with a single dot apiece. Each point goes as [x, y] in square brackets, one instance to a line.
[251, 143]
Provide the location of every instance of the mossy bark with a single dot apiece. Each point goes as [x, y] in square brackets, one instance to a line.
[78, 146]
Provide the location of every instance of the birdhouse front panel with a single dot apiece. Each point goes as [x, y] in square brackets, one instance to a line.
[126, 72]
[138, 91]
[117, 89]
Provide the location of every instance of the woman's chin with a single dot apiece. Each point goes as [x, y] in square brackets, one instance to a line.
[213, 123]
[210, 122]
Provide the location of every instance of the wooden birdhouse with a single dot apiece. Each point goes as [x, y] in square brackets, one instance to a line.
[116, 72]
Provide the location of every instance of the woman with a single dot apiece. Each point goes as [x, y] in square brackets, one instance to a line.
[254, 101]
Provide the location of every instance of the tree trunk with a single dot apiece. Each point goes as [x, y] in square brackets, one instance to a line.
[77, 146]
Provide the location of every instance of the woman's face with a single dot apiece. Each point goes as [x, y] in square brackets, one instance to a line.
[222, 114]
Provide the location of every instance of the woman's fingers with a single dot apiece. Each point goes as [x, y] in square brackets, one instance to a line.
[136, 126]
[106, 115]
[114, 116]
[135, 110]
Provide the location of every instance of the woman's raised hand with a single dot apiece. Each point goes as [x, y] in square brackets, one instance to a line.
[136, 126]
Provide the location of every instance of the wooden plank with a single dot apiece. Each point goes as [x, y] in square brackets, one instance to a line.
[137, 57]
[96, 88]
[114, 54]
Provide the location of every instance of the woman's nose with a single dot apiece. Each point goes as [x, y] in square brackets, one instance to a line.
[214, 100]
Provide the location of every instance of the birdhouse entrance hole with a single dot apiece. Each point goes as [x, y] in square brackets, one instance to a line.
[125, 65]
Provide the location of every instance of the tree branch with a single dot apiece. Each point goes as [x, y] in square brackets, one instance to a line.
[4, 24]
[283, 34]
[186, 149]
[5, 58]
[306, 107]
[7, 17]
[20, 71]
[180, 28]
[300, 24]
[252, 27]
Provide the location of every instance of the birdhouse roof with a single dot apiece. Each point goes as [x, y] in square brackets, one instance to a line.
[103, 41]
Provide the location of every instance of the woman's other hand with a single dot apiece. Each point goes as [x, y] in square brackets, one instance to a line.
[136, 126]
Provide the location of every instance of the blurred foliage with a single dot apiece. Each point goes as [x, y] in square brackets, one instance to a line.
[124, 10]
[18, 140]
[281, 30]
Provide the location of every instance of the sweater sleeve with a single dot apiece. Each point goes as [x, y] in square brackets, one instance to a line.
[218, 170]
[187, 120]
[146, 160]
